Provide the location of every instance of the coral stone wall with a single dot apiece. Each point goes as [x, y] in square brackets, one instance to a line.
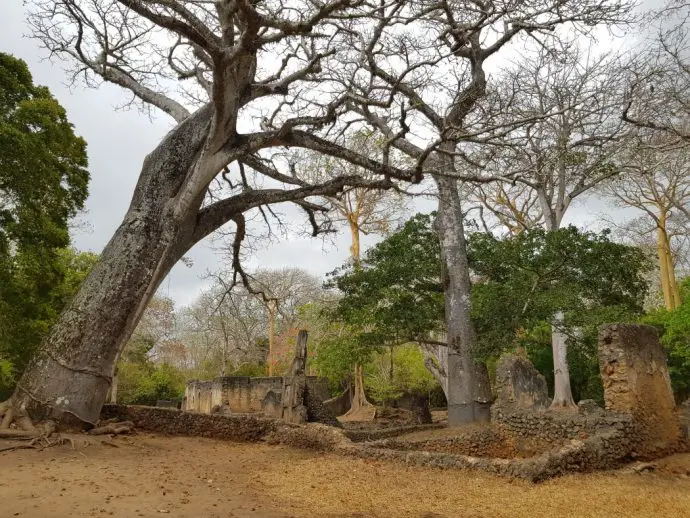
[636, 382]
[241, 393]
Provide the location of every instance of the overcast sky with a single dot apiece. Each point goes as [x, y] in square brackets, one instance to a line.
[118, 141]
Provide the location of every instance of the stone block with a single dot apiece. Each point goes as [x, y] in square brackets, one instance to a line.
[636, 382]
[519, 385]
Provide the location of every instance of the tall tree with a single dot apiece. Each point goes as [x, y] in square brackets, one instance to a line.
[658, 186]
[557, 159]
[43, 184]
[520, 282]
[221, 58]
[437, 88]
[363, 210]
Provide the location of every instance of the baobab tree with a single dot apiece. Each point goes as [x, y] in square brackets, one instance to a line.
[364, 210]
[555, 160]
[408, 87]
[206, 65]
[658, 185]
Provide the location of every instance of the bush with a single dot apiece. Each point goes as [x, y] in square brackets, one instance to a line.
[252, 370]
[144, 384]
[409, 374]
[674, 332]
[6, 379]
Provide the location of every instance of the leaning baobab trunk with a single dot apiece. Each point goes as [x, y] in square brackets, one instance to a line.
[456, 281]
[69, 377]
[562, 395]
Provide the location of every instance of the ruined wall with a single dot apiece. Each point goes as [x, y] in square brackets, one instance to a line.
[241, 393]
[171, 421]
[556, 427]
[198, 396]
[519, 385]
[636, 382]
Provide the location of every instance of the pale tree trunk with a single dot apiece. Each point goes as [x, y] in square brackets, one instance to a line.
[562, 394]
[457, 286]
[360, 409]
[68, 378]
[667, 272]
[271, 333]
[113, 389]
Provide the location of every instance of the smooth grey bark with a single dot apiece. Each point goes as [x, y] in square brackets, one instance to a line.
[456, 282]
[562, 393]
[69, 377]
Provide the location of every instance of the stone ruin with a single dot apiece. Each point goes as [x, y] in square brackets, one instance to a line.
[637, 383]
[295, 398]
[519, 386]
[525, 440]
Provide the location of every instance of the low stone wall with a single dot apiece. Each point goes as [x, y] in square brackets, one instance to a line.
[169, 421]
[556, 427]
[374, 435]
[598, 452]
[241, 393]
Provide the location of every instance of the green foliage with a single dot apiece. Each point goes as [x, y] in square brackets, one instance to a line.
[337, 357]
[43, 183]
[526, 279]
[407, 374]
[250, 369]
[674, 330]
[6, 378]
[395, 295]
[144, 384]
[520, 282]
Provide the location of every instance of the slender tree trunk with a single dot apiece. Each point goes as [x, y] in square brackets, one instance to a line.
[667, 272]
[457, 286]
[562, 394]
[69, 376]
[360, 409]
[271, 334]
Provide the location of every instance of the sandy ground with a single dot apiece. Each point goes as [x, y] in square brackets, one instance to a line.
[188, 477]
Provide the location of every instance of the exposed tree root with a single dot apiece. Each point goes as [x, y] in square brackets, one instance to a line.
[113, 428]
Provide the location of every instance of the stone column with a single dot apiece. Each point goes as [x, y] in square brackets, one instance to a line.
[636, 382]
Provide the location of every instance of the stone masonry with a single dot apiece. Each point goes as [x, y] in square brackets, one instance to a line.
[519, 385]
[636, 382]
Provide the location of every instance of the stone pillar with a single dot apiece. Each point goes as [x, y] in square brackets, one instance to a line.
[295, 385]
[636, 382]
[519, 386]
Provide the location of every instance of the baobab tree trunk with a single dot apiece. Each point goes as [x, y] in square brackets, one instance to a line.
[456, 281]
[271, 333]
[669, 286]
[360, 409]
[562, 394]
[68, 378]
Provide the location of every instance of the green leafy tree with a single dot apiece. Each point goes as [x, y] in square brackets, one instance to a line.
[520, 282]
[674, 329]
[43, 183]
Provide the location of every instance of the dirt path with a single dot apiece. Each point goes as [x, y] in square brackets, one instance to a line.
[186, 477]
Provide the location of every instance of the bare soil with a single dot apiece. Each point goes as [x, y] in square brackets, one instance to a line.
[151, 476]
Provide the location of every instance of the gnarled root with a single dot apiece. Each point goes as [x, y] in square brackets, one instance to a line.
[16, 424]
[112, 428]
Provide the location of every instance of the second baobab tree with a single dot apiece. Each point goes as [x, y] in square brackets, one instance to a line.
[364, 211]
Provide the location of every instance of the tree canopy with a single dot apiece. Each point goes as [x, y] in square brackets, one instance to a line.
[43, 184]
[519, 283]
